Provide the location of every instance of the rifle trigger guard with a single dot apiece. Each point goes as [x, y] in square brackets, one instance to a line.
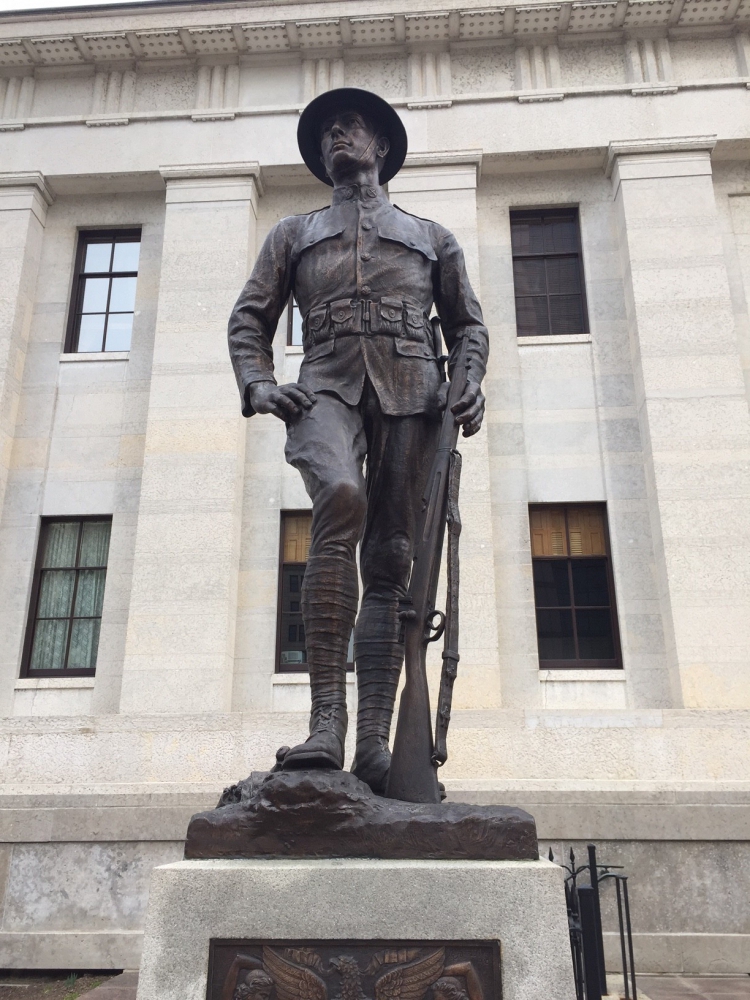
[435, 630]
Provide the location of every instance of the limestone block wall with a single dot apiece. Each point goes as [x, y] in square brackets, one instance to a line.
[77, 449]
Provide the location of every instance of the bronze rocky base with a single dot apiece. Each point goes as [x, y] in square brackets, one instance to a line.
[332, 814]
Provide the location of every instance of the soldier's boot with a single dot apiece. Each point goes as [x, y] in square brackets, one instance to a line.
[378, 657]
[329, 604]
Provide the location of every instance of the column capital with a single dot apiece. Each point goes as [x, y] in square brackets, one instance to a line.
[25, 189]
[192, 182]
[669, 146]
[439, 171]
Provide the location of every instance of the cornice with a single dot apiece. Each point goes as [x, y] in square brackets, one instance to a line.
[675, 144]
[30, 178]
[206, 171]
[449, 158]
[155, 32]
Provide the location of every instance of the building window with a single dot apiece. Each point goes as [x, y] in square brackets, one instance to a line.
[294, 324]
[67, 596]
[103, 302]
[295, 545]
[548, 272]
[576, 617]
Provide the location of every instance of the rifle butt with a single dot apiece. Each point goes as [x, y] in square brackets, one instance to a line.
[412, 776]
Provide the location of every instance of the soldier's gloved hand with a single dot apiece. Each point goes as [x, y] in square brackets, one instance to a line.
[286, 402]
[469, 410]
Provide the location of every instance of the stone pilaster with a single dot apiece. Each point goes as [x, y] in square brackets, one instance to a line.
[692, 409]
[181, 631]
[443, 187]
[24, 198]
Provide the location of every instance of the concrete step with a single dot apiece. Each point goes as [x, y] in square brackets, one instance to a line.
[122, 987]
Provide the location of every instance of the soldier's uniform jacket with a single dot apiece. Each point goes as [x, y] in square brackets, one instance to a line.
[365, 275]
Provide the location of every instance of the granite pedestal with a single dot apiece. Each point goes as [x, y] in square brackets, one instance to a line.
[520, 904]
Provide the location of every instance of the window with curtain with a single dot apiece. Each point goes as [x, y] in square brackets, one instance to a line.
[295, 546]
[548, 272]
[576, 617]
[103, 302]
[67, 596]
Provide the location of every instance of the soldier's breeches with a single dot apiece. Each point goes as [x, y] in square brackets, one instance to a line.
[326, 448]
[328, 445]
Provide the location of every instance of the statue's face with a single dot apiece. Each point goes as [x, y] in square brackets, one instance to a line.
[349, 142]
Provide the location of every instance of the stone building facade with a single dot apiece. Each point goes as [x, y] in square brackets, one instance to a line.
[173, 125]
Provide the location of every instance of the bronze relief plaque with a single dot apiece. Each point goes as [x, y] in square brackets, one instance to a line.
[354, 970]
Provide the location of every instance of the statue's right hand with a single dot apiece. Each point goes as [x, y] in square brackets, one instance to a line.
[286, 402]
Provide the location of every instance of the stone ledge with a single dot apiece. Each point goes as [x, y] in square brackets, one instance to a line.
[721, 814]
[76, 949]
[52, 683]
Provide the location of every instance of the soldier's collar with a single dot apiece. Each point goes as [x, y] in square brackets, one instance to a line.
[355, 192]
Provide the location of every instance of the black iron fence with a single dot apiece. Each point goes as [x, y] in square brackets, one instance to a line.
[585, 926]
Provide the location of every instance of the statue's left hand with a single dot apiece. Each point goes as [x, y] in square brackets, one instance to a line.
[469, 410]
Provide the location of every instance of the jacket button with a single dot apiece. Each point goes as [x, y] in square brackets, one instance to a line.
[365, 256]
[367, 225]
[365, 289]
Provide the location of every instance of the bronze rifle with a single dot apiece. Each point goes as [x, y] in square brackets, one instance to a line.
[416, 756]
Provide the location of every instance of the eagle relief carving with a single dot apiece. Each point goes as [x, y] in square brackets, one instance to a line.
[301, 973]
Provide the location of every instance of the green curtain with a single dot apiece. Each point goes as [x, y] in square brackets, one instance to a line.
[56, 595]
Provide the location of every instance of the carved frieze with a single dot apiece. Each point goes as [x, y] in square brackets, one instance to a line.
[354, 970]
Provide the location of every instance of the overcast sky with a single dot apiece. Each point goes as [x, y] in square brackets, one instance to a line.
[37, 4]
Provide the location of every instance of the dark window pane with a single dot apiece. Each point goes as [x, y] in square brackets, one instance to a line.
[95, 543]
[590, 584]
[84, 643]
[531, 317]
[122, 298]
[69, 600]
[61, 544]
[292, 634]
[294, 584]
[294, 605]
[98, 256]
[56, 593]
[595, 635]
[296, 331]
[119, 331]
[91, 333]
[566, 314]
[551, 586]
[90, 593]
[302, 633]
[126, 256]
[292, 657]
[555, 633]
[50, 640]
[529, 277]
[561, 235]
[95, 292]
[527, 236]
[562, 275]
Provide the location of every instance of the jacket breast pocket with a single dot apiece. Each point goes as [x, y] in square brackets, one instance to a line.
[413, 348]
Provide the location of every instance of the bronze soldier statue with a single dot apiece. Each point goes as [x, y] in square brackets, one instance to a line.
[366, 276]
